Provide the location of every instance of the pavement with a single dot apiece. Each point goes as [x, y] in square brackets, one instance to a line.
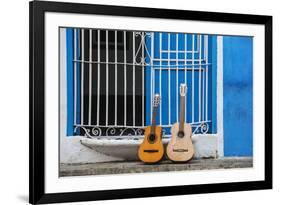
[104, 168]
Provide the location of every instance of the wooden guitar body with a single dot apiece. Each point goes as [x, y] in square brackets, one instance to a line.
[180, 149]
[151, 150]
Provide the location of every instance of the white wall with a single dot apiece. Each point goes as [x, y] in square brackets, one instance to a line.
[14, 99]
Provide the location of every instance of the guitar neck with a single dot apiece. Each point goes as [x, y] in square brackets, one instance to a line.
[182, 113]
[153, 123]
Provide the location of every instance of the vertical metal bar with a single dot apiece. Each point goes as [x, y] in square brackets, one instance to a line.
[134, 86]
[115, 76]
[82, 77]
[199, 81]
[197, 43]
[185, 72]
[75, 75]
[207, 73]
[177, 76]
[90, 77]
[203, 81]
[125, 81]
[98, 83]
[169, 78]
[160, 74]
[192, 83]
[152, 55]
[107, 80]
[143, 62]
[151, 70]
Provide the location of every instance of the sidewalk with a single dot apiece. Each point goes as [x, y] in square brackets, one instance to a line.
[164, 166]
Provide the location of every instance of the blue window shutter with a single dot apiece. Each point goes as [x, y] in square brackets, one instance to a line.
[212, 75]
[70, 107]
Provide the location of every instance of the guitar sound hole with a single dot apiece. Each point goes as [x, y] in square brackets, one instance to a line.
[181, 134]
[151, 138]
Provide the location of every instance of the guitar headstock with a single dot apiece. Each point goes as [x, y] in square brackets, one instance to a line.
[183, 89]
[156, 100]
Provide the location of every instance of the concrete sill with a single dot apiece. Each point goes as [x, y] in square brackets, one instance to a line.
[103, 168]
[127, 149]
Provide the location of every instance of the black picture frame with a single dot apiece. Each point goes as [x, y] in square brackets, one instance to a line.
[37, 9]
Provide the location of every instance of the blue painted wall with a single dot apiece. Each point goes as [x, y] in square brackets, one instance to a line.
[237, 96]
[237, 86]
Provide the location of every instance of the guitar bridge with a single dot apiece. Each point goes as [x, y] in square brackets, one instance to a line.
[180, 150]
[151, 150]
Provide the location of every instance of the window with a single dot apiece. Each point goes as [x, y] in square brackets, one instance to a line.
[113, 76]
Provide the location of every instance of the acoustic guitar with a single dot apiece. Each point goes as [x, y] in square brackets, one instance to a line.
[152, 150]
[180, 147]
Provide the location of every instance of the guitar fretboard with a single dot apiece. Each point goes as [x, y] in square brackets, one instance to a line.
[182, 113]
[153, 123]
